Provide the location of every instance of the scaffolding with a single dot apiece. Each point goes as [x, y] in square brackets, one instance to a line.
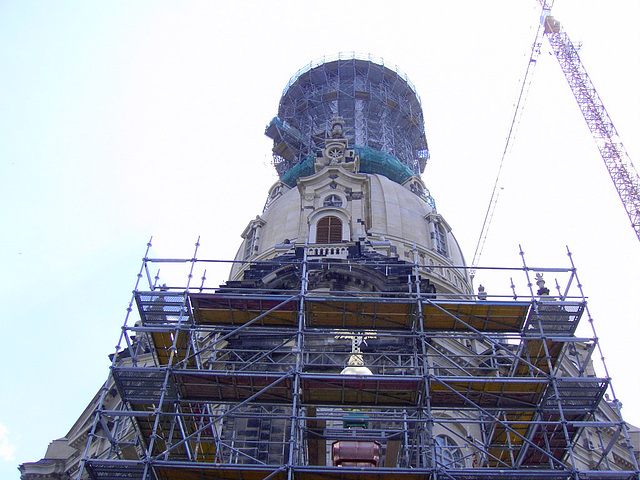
[239, 383]
[377, 101]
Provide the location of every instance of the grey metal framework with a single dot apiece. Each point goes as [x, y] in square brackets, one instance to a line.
[619, 165]
[378, 103]
[222, 383]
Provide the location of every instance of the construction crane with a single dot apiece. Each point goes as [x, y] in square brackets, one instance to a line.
[615, 156]
[623, 173]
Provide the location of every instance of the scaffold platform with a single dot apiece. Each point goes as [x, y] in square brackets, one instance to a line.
[246, 384]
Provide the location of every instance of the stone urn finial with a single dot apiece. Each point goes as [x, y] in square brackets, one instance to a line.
[542, 290]
[336, 127]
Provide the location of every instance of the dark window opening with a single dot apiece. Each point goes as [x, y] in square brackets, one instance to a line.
[329, 230]
[441, 240]
[251, 244]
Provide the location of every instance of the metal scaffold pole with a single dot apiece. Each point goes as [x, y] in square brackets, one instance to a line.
[183, 316]
[105, 387]
[253, 382]
[295, 437]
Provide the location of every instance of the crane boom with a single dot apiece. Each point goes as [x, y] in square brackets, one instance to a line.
[615, 156]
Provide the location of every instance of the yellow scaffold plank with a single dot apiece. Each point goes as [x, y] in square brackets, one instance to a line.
[358, 314]
[486, 393]
[359, 390]
[534, 352]
[482, 316]
[163, 343]
[217, 309]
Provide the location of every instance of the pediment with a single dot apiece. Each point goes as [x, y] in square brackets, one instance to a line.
[332, 177]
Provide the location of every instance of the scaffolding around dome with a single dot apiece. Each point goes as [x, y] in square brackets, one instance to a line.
[234, 382]
[378, 103]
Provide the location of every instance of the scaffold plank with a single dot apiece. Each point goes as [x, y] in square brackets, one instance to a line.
[163, 308]
[554, 318]
[115, 470]
[507, 437]
[356, 313]
[163, 470]
[360, 390]
[227, 309]
[204, 386]
[490, 393]
[577, 398]
[171, 429]
[143, 385]
[537, 357]
[550, 437]
[482, 316]
[542, 442]
[164, 346]
[575, 395]
[147, 425]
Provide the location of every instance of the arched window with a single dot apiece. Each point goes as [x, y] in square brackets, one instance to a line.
[448, 453]
[440, 239]
[329, 230]
[251, 243]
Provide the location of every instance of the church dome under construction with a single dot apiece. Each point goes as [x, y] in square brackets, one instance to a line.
[348, 342]
[349, 146]
[378, 103]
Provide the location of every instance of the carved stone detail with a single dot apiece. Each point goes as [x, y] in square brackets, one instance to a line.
[336, 151]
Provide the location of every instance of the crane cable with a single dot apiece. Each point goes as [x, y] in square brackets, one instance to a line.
[515, 122]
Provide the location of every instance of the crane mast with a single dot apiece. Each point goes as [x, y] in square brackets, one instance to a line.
[615, 156]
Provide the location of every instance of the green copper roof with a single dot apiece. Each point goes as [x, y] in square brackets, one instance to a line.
[375, 161]
[302, 169]
[371, 161]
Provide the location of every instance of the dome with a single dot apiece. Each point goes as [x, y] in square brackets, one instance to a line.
[380, 106]
[375, 212]
[349, 147]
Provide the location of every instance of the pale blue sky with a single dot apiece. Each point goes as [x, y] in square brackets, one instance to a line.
[125, 119]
